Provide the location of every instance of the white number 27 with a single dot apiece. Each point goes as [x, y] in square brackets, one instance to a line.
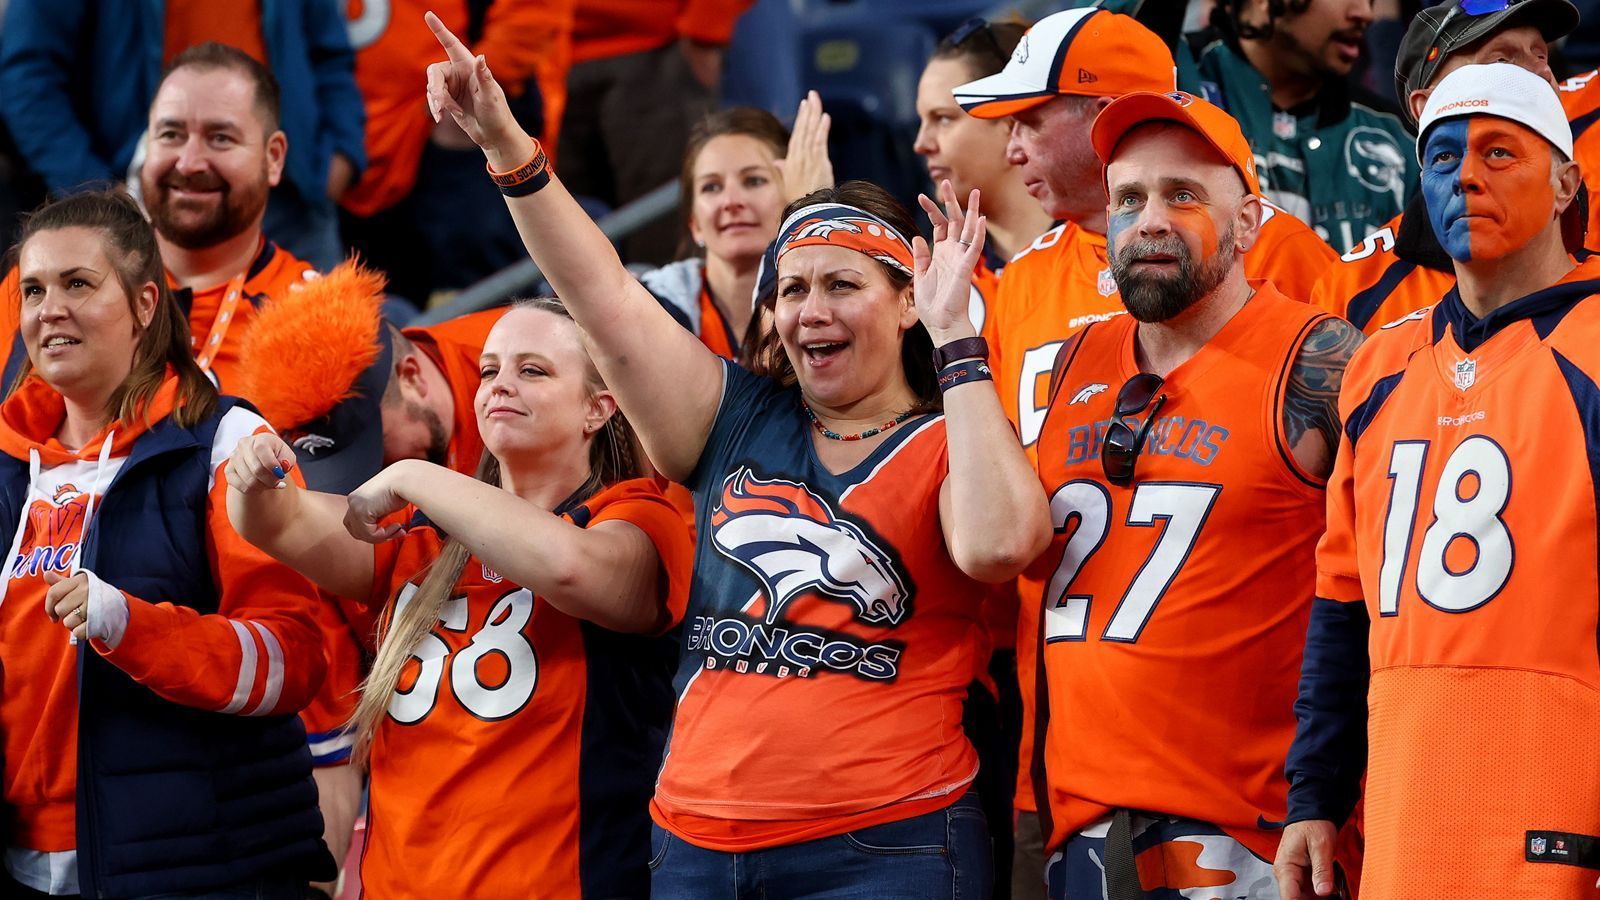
[1181, 508]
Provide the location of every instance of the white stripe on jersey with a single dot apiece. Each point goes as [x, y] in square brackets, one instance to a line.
[269, 698]
[247, 669]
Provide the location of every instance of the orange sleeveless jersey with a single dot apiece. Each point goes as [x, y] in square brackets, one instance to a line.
[484, 769]
[1176, 606]
[830, 638]
[1058, 285]
[1463, 512]
[521, 39]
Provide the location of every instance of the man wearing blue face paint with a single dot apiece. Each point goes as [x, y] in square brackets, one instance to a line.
[1451, 656]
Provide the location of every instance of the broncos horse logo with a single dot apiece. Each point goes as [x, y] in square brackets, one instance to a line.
[790, 539]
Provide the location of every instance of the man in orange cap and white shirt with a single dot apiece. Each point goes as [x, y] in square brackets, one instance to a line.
[1067, 68]
[1185, 448]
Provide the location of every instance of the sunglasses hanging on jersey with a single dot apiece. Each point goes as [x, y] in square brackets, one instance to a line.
[1120, 451]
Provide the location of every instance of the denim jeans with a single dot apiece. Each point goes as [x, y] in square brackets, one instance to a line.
[942, 855]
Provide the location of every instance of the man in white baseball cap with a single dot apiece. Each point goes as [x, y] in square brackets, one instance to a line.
[1451, 656]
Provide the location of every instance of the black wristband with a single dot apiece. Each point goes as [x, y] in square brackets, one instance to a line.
[962, 348]
[530, 186]
[963, 372]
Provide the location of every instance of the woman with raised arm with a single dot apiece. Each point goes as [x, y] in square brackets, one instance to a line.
[843, 526]
[510, 721]
[153, 661]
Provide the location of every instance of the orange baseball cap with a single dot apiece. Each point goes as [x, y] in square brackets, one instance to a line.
[1219, 129]
[1088, 52]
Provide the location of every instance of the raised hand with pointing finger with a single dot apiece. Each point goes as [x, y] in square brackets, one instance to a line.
[463, 88]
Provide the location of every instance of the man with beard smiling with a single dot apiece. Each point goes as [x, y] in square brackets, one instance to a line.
[1185, 450]
[214, 153]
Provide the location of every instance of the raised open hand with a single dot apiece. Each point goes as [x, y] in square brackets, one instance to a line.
[463, 88]
[806, 165]
[943, 280]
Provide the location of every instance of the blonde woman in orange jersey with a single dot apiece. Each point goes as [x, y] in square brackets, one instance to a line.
[848, 503]
[508, 716]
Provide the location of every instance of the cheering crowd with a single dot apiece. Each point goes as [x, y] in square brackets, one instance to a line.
[1096, 532]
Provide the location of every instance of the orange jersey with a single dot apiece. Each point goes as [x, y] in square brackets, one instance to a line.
[1580, 97]
[259, 654]
[830, 638]
[1176, 606]
[1372, 286]
[1053, 288]
[503, 768]
[607, 28]
[273, 271]
[454, 345]
[522, 39]
[1463, 512]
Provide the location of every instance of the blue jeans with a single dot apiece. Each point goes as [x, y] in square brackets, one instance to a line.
[943, 855]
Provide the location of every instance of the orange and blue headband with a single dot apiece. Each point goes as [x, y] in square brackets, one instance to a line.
[838, 225]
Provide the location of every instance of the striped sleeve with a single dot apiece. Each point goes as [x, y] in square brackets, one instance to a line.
[261, 653]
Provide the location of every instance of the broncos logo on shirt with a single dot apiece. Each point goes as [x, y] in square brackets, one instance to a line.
[790, 539]
[53, 534]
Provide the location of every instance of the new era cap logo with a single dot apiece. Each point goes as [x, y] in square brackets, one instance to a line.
[1085, 76]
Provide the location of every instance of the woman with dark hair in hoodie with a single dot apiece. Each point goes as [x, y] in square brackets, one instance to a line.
[154, 661]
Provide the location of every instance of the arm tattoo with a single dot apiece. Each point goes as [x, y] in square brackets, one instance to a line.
[1311, 401]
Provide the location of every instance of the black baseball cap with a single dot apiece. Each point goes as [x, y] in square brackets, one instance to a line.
[338, 452]
[1441, 30]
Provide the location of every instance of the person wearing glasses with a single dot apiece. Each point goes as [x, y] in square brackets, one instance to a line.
[1185, 452]
[1401, 268]
[1451, 656]
[843, 525]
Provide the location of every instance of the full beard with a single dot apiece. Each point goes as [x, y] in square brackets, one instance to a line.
[1153, 297]
[232, 214]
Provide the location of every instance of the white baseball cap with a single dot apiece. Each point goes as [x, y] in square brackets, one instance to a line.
[1089, 52]
[1497, 89]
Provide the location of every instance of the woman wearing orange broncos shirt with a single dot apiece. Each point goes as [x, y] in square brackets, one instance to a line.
[153, 660]
[528, 775]
[847, 505]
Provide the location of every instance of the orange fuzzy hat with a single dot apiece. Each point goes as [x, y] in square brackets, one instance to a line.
[315, 362]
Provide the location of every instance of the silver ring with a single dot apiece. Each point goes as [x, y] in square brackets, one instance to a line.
[963, 243]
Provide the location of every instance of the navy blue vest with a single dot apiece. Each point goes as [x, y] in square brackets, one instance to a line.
[173, 798]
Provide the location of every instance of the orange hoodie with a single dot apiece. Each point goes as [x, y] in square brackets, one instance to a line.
[260, 654]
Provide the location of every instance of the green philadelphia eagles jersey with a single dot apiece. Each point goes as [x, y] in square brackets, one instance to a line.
[1340, 166]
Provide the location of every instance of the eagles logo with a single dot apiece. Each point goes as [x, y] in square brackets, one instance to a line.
[790, 539]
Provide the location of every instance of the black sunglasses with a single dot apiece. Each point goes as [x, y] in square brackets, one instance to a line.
[1120, 451]
[975, 25]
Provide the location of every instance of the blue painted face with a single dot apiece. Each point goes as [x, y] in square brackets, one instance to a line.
[1486, 182]
[1442, 156]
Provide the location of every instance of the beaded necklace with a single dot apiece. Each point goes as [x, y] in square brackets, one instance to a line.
[832, 435]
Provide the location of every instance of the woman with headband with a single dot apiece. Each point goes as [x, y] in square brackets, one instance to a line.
[844, 525]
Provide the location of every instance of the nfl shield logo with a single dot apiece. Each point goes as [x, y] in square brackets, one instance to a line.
[1466, 373]
[490, 575]
[1284, 126]
[1536, 846]
[1106, 284]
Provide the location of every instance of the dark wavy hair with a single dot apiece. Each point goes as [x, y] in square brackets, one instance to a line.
[130, 244]
[985, 48]
[767, 357]
[1225, 18]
